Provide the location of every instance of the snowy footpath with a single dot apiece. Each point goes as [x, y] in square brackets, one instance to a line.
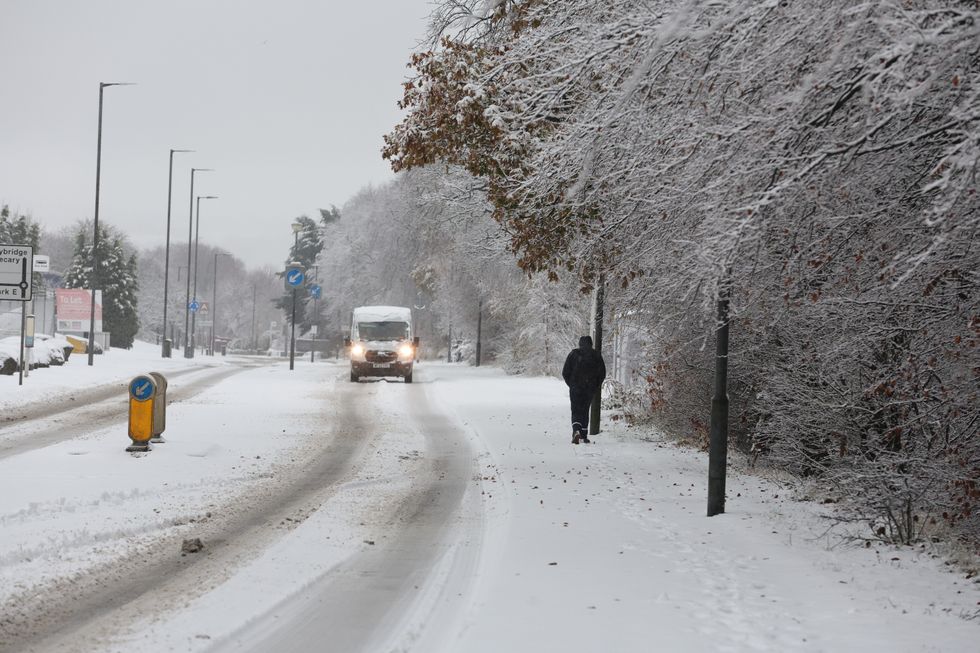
[555, 547]
[606, 547]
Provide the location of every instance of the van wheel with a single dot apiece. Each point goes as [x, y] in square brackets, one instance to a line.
[408, 378]
[353, 377]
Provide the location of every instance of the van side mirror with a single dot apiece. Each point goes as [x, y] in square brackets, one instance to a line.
[415, 342]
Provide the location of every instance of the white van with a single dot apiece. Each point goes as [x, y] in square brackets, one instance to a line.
[381, 342]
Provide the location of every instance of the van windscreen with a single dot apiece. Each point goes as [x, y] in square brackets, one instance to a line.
[382, 330]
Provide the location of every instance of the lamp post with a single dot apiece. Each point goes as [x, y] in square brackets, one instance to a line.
[254, 344]
[188, 350]
[164, 350]
[419, 307]
[197, 235]
[214, 299]
[95, 220]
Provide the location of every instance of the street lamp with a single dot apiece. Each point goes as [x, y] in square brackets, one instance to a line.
[214, 299]
[95, 240]
[165, 351]
[255, 346]
[188, 349]
[197, 234]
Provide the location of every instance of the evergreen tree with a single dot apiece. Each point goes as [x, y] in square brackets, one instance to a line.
[304, 251]
[18, 229]
[116, 277]
[21, 230]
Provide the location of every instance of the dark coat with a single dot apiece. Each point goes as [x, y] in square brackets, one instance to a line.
[584, 368]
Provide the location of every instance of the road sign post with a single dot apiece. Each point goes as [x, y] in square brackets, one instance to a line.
[294, 279]
[16, 268]
[16, 284]
[28, 342]
[315, 291]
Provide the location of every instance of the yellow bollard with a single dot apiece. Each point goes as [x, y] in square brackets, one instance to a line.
[142, 397]
[159, 408]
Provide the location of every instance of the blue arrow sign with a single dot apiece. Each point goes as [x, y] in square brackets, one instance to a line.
[193, 305]
[294, 277]
[141, 388]
[316, 291]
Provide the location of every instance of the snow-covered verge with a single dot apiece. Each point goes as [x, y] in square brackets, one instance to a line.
[607, 547]
[114, 366]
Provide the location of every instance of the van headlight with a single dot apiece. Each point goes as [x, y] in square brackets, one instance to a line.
[406, 351]
[357, 350]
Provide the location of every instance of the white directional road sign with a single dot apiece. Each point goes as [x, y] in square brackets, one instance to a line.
[16, 268]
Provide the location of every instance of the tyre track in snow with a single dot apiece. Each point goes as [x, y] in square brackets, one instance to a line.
[365, 602]
[81, 613]
[93, 412]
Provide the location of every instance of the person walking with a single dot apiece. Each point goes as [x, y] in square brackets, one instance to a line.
[584, 371]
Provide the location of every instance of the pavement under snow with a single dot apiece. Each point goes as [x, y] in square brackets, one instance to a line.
[539, 546]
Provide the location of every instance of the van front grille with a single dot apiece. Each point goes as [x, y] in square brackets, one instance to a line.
[373, 356]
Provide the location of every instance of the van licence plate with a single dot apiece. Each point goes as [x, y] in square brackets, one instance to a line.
[383, 365]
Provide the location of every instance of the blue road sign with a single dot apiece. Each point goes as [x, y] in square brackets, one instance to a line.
[294, 277]
[141, 388]
[193, 305]
[316, 291]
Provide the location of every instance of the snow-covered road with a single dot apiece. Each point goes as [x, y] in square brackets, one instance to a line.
[451, 514]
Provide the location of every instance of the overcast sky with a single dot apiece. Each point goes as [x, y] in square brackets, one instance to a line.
[287, 99]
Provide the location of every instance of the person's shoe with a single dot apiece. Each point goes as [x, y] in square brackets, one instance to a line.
[575, 437]
[585, 438]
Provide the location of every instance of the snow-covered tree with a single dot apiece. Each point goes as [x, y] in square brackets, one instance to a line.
[116, 277]
[818, 161]
[304, 250]
[18, 229]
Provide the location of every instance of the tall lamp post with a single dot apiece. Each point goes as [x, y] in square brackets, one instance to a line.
[164, 350]
[188, 349]
[95, 220]
[214, 299]
[197, 238]
[255, 346]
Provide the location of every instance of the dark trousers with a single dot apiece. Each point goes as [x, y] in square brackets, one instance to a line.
[581, 399]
